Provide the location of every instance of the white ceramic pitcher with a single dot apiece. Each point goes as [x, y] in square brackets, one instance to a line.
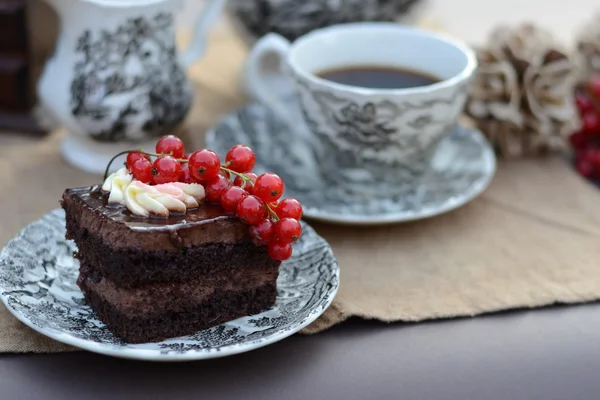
[116, 80]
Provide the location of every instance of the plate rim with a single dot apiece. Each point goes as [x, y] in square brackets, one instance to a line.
[155, 355]
[312, 213]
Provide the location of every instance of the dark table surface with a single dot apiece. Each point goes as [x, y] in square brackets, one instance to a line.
[547, 354]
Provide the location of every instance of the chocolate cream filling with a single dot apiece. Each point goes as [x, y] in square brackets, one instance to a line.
[160, 298]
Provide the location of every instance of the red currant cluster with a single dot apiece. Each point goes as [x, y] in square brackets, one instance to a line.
[254, 199]
[586, 142]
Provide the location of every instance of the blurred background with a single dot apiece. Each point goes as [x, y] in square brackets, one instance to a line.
[564, 19]
[25, 46]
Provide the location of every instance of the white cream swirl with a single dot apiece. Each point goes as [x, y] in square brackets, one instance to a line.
[116, 184]
[142, 199]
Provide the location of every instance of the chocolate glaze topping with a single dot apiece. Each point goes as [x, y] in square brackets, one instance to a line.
[118, 227]
[97, 200]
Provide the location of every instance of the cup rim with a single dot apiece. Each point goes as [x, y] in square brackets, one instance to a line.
[464, 74]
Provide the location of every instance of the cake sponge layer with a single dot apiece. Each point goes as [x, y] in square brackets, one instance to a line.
[172, 296]
[218, 307]
[133, 268]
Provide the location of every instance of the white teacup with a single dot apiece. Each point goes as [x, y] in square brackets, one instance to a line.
[366, 136]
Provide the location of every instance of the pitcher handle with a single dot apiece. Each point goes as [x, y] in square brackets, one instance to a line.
[198, 45]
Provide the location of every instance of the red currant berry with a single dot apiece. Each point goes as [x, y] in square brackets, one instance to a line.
[288, 230]
[251, 210]
[593, 157]
[262, 233]
[216, 187]
[578, 140]
[170, 145]
[240, 158]
[186, 176]
[591, 122]
[268, 187]
[166, 169]
[585, 167]
[280, 251]
[584, 154]
[142, 170]
[132, 157]
[204, 164]
[584, 103]
[231, 198]
[226, 174]
[249, 187]
[186, 156]
[594, 86]
[289, 208]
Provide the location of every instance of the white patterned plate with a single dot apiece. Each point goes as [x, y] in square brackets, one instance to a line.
[37, 284]
[461, 169]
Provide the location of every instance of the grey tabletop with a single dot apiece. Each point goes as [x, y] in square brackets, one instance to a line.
[547, 354]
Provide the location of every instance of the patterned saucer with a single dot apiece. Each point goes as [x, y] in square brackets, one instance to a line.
[37, 285]
[460, 170]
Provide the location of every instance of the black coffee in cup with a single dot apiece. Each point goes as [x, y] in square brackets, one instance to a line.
[378, 77]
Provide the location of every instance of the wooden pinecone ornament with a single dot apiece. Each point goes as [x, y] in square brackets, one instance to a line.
[522, 94]
[588, 48]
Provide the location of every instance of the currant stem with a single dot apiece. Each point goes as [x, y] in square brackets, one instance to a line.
[113, 159]
[272, 213]
[232, 172]
[135, 151]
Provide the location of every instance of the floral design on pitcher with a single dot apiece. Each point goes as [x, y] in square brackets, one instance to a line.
[127, 84]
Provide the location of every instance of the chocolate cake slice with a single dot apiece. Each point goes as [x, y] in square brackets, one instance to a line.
[151, 278]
